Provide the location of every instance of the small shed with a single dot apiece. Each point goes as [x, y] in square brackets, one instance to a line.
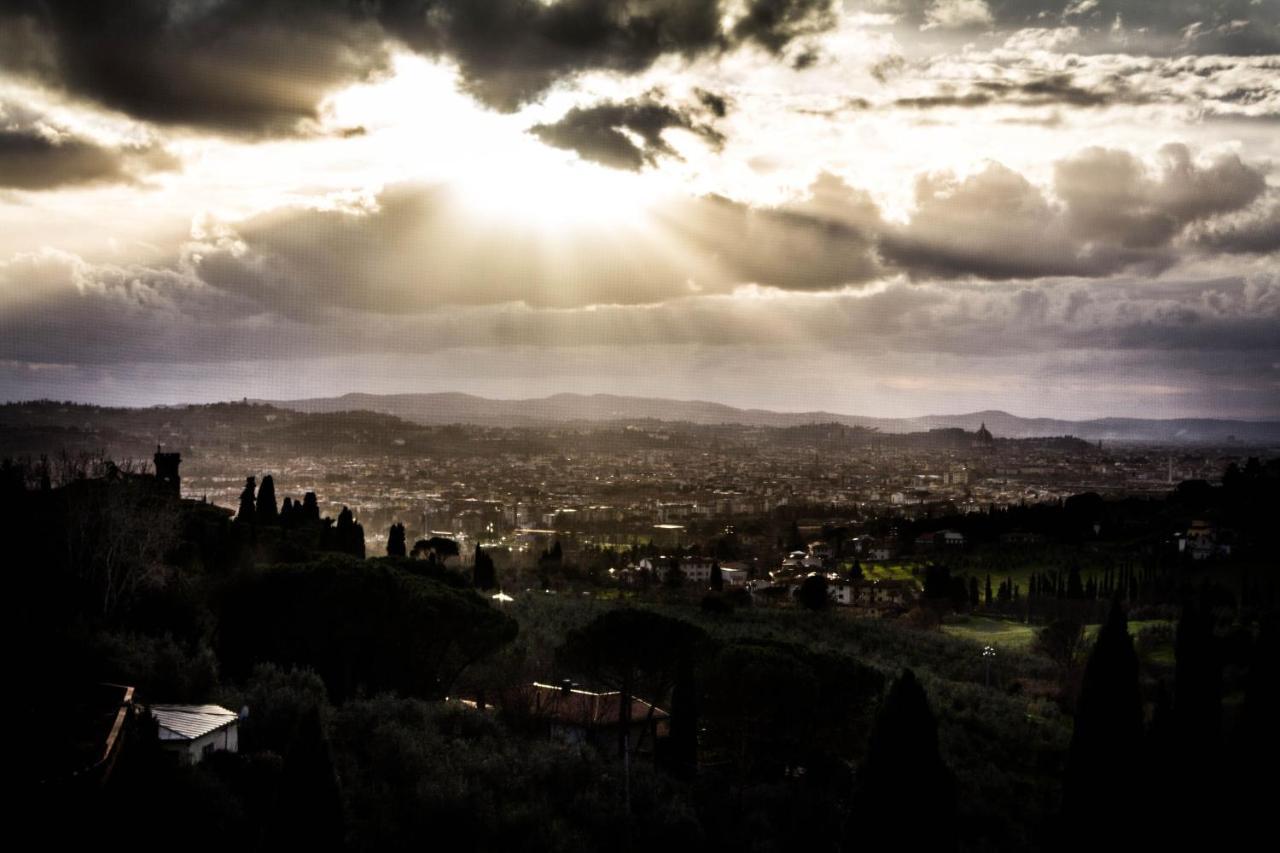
[192, 732]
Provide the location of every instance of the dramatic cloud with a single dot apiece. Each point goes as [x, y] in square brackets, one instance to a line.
[935, 203]
[1111, 214]
[36, 154]
[1111, 196]
[628, 135]
[416, 251]
[242, 66]
[263, 66]
[1256, 231]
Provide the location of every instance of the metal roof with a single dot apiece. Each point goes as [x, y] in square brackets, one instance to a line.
[188, 722]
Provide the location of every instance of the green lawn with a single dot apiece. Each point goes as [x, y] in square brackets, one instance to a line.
[999, 633]
[1003, 633]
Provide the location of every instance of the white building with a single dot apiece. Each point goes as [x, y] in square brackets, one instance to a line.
[192, 732]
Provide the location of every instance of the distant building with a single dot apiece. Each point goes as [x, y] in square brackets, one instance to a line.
[167, 471]
[983, 439]
[193, 732]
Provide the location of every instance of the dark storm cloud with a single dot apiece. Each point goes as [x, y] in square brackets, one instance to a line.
[31, 161]
[605, 133]
[263, 66]
[776, 23]
[36, 154]
[236, 66]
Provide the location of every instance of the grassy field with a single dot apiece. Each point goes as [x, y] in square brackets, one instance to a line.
[1008, 634]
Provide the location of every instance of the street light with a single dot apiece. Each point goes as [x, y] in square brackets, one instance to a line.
[988, 653]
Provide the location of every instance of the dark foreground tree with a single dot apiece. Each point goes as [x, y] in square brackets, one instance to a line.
[905, 793]
[632, 651]
[483, 573]
[248, 510]
[360, 626]
[813, 593]
[267, 510]
[395, 541]
[1106, 743]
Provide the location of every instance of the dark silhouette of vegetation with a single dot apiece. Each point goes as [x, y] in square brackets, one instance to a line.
[395, 541]
[1107, 739]
[483, 573]
[813, 593]
[903, 782]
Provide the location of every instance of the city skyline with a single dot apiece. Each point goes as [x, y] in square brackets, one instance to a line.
[1057, 208]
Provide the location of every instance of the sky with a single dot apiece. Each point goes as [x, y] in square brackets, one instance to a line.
[1065, 208]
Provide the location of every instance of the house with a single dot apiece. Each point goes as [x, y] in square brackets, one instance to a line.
[576, 716]
[696, 570]
[193, 732]
[734, 574]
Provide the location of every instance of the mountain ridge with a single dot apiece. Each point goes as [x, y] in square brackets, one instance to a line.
[458, 407]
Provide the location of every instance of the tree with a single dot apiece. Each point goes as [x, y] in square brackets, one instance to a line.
[1075, 589]
[483, 573]
[1107, 739]
[855, 571]
[813, 592]
[308, 807]
[674, 577]
[395, 541]
[349, 534]
[630, 650]
[717, 577]
[267, 512]
[1061, 641]
[988, 597]
[247, 511]
[794, 541]
[903, 773]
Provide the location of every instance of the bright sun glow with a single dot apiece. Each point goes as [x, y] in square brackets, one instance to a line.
[498, 169]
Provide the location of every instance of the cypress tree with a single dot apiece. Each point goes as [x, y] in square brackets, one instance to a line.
[903, 783]
[1107, 740]
[247, 511]
[717, 577]
[395, 541]
[310, 507]
[268, 512]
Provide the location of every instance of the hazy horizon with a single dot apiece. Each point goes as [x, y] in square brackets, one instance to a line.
[519, 397]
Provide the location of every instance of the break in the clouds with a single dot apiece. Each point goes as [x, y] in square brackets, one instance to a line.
[890, 206]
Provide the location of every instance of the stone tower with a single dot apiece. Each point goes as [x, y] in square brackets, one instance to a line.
[167, 472]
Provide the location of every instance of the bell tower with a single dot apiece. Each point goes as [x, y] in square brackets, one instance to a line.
[167, 472]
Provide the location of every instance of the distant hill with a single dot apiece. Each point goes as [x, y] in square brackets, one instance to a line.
[449, 408]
